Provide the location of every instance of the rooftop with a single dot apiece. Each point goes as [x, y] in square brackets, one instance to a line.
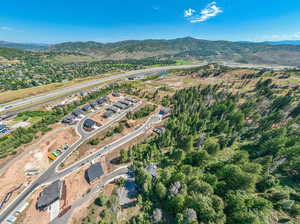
[108, 114]
[49, 195]
[88, 123]
[120, 105]
[86, 107]
[94, 172]
[78, 111]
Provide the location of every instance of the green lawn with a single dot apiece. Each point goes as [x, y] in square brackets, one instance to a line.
[31, 116]
[183, 62]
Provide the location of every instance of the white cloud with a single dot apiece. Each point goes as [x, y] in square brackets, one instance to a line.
[5, 28]
[189, 12]
[211, 10]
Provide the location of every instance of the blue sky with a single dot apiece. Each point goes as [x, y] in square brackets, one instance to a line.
[52, 21]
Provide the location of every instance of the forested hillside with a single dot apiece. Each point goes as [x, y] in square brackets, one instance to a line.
[188, 48]
[224, 158]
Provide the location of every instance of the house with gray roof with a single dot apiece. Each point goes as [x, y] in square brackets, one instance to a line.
[120, 105]
[78, 112]
[131, 100]
[87, 108]
[89, 123]
[102, 100]
[107, 114]
[126, 103]
[94, 104]
[49, 195]
[94, 173]
[113, 109]
[69, 119]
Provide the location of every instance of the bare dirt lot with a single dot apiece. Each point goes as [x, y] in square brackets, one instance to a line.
[83, 210]
[109, 163]
[34, 158]
[76, 186]
[41, 137]
[31, 215]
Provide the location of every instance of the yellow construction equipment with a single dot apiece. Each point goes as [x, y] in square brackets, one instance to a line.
[51, 156]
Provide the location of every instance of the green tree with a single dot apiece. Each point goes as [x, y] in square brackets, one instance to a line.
[212, 146]
[160, 190]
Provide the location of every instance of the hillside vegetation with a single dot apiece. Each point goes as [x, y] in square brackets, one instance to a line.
[188, 48]
[224, 157]
[73, 60]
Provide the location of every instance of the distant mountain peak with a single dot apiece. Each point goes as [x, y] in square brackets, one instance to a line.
[283, 42]
[23, 46]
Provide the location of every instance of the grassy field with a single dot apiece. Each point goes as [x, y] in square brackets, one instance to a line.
[71, 59]
[30, 116]
[12, 95]
[183, 62]
[24, 117]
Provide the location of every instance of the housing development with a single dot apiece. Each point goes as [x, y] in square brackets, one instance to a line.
[105, 121]
[74, 150]
[107, 145]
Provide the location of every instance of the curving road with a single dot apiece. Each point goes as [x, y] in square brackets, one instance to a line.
[51, 173]
[102, 151]
[42, 98]
[120, 172]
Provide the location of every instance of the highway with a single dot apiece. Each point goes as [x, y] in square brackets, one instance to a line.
[29, 102]
[51, 173]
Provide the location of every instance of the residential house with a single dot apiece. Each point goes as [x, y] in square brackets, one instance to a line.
[49, 195]
[94, 173]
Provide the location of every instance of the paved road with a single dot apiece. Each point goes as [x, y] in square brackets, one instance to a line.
[42, 98]
[102, 151]
[51, 173]
[53, 167]
[122, 171]
[32, 147]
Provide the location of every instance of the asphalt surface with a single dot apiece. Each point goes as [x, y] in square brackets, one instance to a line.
[123, 171]
[42, 98]
[102, 151]
[51, 173]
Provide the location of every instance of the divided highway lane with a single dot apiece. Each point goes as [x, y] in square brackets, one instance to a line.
[51, 171]
[42, 98]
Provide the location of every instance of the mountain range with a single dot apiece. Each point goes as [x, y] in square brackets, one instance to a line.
[23, 46]
[291, 42]
[187, 48]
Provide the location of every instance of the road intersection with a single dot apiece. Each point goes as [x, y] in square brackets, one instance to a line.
[51, 174]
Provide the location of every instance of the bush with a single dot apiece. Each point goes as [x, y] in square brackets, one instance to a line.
[120, 181]
[143, 112]
[101, 200]
[94, 141]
